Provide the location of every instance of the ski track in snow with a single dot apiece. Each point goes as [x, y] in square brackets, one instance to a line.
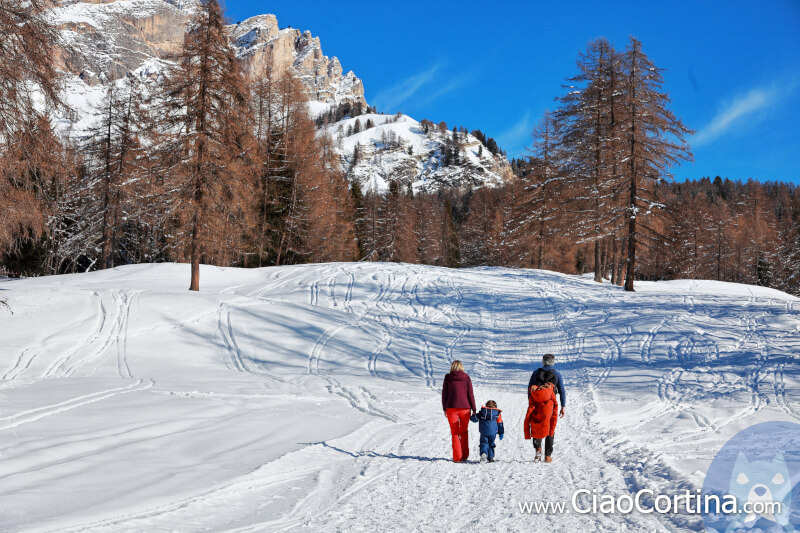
[110, 329]
[633, 364]
[32, 415]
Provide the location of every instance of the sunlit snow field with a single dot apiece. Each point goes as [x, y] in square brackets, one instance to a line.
[307, 397]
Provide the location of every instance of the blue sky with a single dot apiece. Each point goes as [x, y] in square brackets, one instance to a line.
[732, 67]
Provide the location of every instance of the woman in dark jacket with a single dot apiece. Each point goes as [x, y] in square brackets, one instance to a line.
[458, 403]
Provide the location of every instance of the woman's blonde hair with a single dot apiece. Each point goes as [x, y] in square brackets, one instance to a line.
[456, 366]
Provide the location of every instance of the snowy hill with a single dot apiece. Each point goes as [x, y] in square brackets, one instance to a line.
[307, 398]
[396, 147]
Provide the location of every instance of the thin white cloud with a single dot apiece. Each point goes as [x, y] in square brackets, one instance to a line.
[450, 86]
[514, 138]
[390, 99]
[750, 105]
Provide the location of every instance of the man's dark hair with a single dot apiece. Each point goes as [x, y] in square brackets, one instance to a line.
[546, 376]
[548, 359]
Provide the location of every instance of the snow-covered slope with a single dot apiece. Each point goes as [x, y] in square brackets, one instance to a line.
[396, 147]
[307, 398]
[86, 101]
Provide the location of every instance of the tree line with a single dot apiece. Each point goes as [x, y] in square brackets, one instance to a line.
[745, 232]
[596, 192]
[224, 167]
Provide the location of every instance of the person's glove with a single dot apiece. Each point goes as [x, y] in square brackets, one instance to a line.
[474, 418]
[501, 436]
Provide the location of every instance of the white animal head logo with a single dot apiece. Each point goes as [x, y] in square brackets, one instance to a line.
[761, 482]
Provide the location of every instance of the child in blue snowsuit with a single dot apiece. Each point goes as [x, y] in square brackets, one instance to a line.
[490, 425]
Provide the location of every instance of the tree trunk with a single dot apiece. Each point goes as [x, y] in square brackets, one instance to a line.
[613, 260]
[540, 256]
[196, 221]
[195, 282]
[604, 259]
[598, 275]
[105, 251]
[633, 169]
[631, 231]
[106, 248]
[114, 225]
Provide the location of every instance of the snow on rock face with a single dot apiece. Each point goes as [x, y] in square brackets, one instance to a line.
[396, 147]
[85, 101]
[261, 43]
[107, 39]
[103, 41]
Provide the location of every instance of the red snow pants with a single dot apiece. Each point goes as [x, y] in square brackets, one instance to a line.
[459, 424]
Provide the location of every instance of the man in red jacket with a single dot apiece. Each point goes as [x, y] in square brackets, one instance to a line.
[458, 404]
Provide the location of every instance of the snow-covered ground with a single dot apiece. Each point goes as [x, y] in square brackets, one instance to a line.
[307, 398]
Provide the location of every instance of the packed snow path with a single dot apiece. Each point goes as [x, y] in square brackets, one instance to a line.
[308, 397]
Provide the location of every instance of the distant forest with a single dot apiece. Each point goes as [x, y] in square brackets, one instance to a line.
[221, 167]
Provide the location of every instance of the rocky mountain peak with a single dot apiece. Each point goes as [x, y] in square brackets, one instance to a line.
[105, 39]
[260, 42]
